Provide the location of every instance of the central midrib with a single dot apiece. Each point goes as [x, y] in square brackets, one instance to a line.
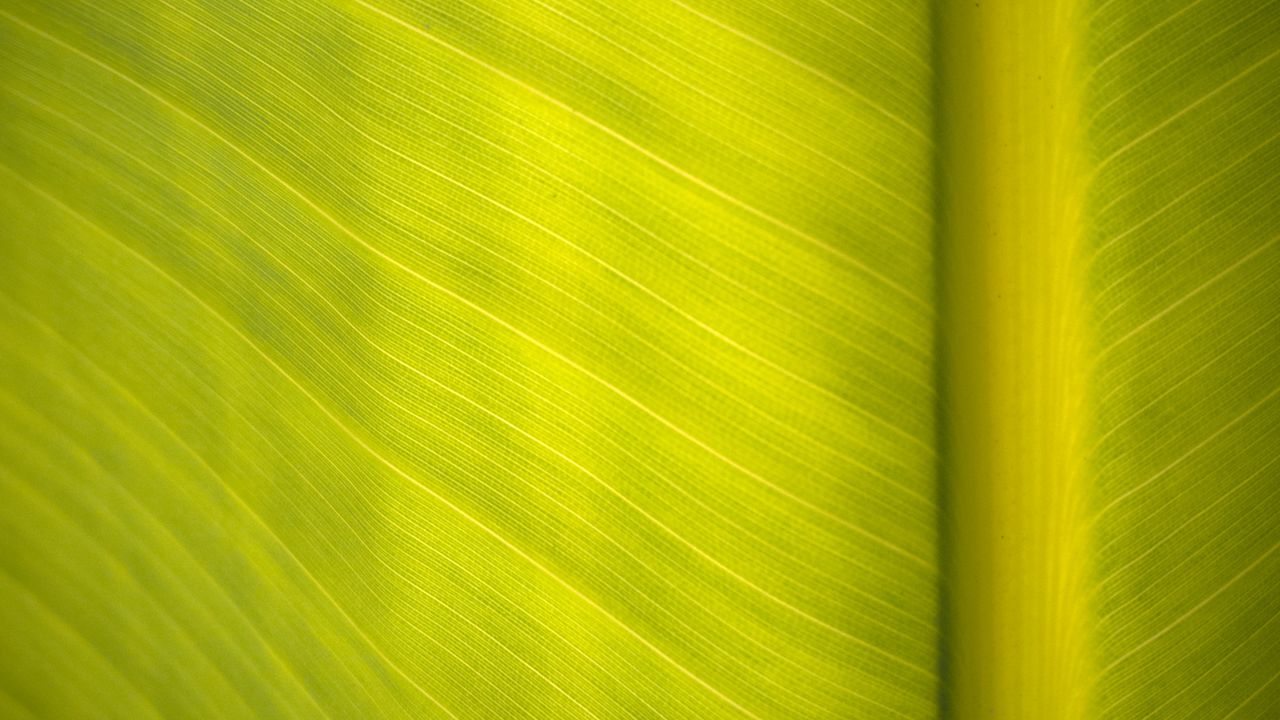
[1014, 360]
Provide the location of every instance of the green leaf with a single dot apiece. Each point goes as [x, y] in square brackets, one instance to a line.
[1110, 264]
[1184, 227]
[672, 358]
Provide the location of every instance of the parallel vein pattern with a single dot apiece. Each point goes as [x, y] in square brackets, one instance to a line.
[1184, 96]
[547, 358]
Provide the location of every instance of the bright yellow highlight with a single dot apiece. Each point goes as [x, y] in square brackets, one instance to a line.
[1014, 364]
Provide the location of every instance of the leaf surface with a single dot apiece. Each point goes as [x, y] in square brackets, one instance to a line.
[475, 359]
[672, 358]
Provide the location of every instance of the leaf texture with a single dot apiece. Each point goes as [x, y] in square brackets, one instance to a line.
[1181, 112]
[470, 359]
[670, 358]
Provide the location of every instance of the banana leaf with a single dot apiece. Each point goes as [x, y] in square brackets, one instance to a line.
[665, 358]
